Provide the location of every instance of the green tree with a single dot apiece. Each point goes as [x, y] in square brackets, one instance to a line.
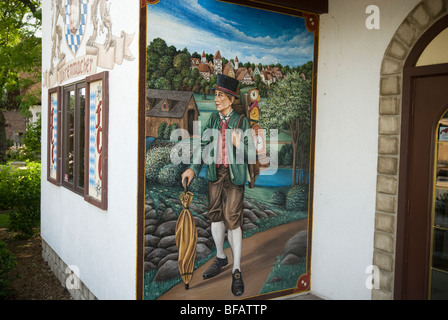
[32, 137]
[181, 61]
[161, 130]
[158, 46]
[285, 69]
[289, 102]
[152, 60]
[20, 59]
[177, 82]
[194, 74]
[213, 80]
[158, 61]
[165, 63]
[167, 132]
[306, 69]
[169, 75]
[8, 263]
[162, 84]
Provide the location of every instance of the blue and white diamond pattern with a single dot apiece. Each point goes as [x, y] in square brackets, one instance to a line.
[74, 36]
[92, 139]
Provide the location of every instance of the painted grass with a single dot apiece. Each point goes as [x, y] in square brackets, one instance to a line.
[283, 277]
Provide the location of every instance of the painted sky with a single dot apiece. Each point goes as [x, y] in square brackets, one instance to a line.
[252, 35]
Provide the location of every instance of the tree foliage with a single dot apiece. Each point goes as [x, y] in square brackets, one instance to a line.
[8, 263]
[20, 52]
[20, 194]
[20, 58]
[168, 68]
[289, 106]
[289, 100]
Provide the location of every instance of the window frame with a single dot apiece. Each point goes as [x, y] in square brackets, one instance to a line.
[58, 142]
[51, 144]
[101, 164]
[78, 136]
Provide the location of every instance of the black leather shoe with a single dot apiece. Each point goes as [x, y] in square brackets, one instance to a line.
[237, 283]
[215, 268]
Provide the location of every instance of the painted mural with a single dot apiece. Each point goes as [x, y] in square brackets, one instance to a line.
[229, 129]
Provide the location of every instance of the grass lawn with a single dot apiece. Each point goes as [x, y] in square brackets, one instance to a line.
[263, 194]
[4, 220]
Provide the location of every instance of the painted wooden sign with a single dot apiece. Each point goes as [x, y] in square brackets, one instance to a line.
[96, 132]
[54, 136]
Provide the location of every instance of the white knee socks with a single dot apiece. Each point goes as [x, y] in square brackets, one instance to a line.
[218, 233]
[235, 238]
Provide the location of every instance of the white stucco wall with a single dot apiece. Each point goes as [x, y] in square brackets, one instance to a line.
[102, 244]
[350, 57]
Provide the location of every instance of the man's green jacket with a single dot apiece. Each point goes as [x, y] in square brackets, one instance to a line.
[238, 157]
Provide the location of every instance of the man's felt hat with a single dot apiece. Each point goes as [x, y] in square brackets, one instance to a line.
[226, 84]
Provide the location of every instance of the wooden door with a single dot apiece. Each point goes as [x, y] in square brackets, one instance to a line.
[429, 96]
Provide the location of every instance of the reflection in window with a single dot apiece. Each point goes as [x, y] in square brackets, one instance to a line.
[81, 130]
[439, 245]
[73, 110]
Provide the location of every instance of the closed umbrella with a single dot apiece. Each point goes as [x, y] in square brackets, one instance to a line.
[186, 238]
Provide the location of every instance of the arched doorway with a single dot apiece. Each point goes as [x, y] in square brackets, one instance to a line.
[429, 99]
[406, 155]
[425, 98]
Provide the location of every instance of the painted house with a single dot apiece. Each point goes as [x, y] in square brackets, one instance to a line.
[195, 62]
[243, 76]
[376, 223]
[267, 77]
[217, 62]
[172, 107]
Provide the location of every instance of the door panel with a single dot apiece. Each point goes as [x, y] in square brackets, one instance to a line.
[430, 101]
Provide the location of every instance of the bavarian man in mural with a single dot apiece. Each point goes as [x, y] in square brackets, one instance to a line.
[227, 173]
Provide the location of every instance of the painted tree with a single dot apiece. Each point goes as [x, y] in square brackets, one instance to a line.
[20, 59]
[289, 106]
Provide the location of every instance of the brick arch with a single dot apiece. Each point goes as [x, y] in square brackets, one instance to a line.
[419, 20]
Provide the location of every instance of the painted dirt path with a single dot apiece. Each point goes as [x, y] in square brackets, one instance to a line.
[258, 256]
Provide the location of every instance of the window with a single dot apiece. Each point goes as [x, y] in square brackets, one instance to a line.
[73, 136]
[77, 141]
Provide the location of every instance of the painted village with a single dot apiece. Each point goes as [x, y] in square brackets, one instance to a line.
[179, 97]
